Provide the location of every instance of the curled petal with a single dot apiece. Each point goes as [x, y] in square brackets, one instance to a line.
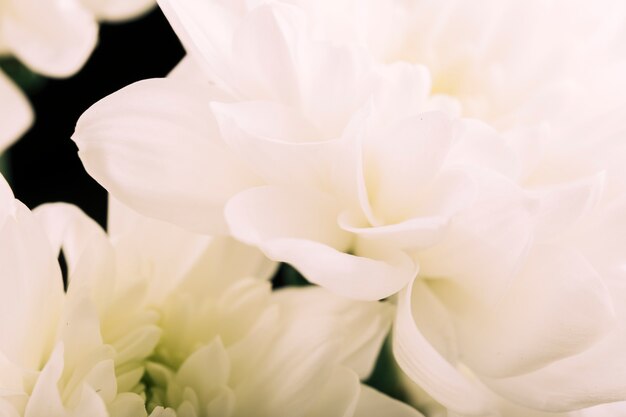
[428, 368]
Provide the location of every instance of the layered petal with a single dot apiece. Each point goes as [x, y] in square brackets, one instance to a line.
[428, 368]
[155, 147]
[300, 227]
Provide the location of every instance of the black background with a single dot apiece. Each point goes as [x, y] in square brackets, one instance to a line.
[44, 165]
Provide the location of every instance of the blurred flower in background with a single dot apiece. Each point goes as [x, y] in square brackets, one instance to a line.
[53, 38]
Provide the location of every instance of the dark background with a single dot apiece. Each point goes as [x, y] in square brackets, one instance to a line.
[44, 164]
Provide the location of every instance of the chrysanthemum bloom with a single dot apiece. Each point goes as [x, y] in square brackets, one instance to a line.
[192, 310]
[507, 62]
[53, 38]
[307, 150]
[338, 165]
[231, 347]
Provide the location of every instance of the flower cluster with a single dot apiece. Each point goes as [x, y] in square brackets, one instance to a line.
[455, 170]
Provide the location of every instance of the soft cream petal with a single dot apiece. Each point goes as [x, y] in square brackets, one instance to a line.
[16, 114]
[31, 291]
[429, 369]
[339, 395]
[401, 161]
[264, 49]
[278, 143]
[300, 227]
[54, 37]
[556, 307]
[116, 10]
[261, 214]
[152, 248]
[206, 29]
[373, 404]
[592, 377]
[361, 326]
[46, 398]
[154, 146]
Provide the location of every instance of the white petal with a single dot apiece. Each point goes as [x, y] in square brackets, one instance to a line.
[300, 227]
[366, 277]
[486, 243]
[16, 114]
[206, 29]
[189, 70]
[556, 307]
[53, 37]
[31, 293]
[116, 10]
[46, 398]
[86, 248]
[578, 381]
[264, 48]
[128, 404]
[205, 370]
[426, 367]
[478, 144]
[401, 162]
[561, 206]
[262, 214]
[154, 145]
[151, 248]
[339, 395]
[361, 326]
[401, 91]
[373, 404]
[278, 143]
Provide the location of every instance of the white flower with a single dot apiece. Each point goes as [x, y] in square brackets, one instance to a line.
[192, 310]
[507, 62]
[306, 164]
[53, 360]
[231, 347]
[53, 38]
[333, 162]
[538, 332]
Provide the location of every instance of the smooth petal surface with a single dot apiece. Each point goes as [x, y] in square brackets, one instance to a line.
[206, 29]
[16, 114]
[428, 368]
[116, 10]
[402, 161]
[361, 326]
[373, 403]
[54, 37]
[278, 143]
[556, 307]
[31, 290]
[154, 145]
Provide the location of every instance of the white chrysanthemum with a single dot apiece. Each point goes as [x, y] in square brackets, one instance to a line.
[538, 326]
[332, 162]
[503, 59]
[53, 38]
[193, 311]
[53, 360]
[231, 347]
[315, 155]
